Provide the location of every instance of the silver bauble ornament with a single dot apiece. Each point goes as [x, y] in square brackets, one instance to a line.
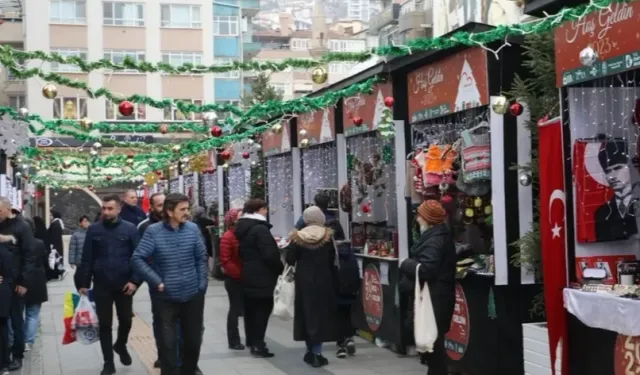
[210, 118]
[93, 153]
[588, 56]
[500, 105]
[97, 146]
[18, 174]
[525, 179]
[23, 112]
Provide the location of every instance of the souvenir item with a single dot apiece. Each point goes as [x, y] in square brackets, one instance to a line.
[439, 164]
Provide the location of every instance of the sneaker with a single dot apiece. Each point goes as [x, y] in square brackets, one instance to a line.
[108, 369]
[125, 357]
[27, 347]
[15, 365]
[342, 352]
[319, 361]
[237, 346]
[351, 347]
[156, 364]
[261, 352]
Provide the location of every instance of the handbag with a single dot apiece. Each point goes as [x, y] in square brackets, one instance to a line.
[284, 294]
[425, 330]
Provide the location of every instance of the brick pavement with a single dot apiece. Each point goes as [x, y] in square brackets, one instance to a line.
[49, 357]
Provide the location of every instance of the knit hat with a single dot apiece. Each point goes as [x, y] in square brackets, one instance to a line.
[313, 216]
[231, 217]
[432, 212]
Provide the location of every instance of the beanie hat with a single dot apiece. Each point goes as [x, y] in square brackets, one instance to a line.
[313, 216]
[231, 217]
[432, 212]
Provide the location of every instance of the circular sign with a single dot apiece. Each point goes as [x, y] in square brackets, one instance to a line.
[44, 142]
[626, 355]
[372, 297]
[457, 339]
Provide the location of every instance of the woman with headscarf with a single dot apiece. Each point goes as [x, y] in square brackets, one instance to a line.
[232, 267]
[435, 253]
[56, 230]
[312, 251]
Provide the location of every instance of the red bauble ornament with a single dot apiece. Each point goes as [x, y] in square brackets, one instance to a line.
[159, 173]
[357, 120]
[388, 101]
[446, 199]
[259, 182]
[365, 208]
[516, 109]
[108, 178]
[226, 155]
[125, 108]
[216, 131]
[246, 155]
[164, 128]
[130, 155]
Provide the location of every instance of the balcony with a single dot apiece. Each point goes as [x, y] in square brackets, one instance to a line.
[416, 19]
[250, 7]
[11, 31]
[387, 17]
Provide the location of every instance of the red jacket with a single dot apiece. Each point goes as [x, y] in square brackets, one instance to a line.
[230, 255]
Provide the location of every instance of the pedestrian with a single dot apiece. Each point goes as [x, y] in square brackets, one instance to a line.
[436, 254]
[6, 290]
[41, 233]
[23, 256]
[106, 255]
[261, 266]
[232, 268]
[312, 252]
[179, 275]
[130, 211]
[322, 201]
[56, 230]
[36, 292]
[348, 289]
[205, 224]
[77, 242]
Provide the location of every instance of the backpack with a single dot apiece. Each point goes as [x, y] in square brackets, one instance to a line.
[349, 272]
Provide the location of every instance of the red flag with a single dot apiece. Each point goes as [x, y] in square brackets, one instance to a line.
[145, 200]
[553, 236]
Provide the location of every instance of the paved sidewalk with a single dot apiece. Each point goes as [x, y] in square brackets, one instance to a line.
[50, 357]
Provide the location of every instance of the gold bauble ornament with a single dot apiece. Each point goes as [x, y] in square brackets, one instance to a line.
[303, 133]
[304, 143]
[49, 91]
[276, 129]
[130, 161]
[176, 148]
[500, 105]
[319, 75]
[86, 123]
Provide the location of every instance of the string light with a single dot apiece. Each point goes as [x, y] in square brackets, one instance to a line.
[280, 193]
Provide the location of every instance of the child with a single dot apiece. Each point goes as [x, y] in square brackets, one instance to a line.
[349, 278]
[6, 286]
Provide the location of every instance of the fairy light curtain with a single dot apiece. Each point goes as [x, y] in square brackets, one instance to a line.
[189, 187]
[280, 193]
[319, 170]
[238, 182]
[174, 185]
[210, 188]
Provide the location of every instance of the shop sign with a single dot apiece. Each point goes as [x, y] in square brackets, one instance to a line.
[456, 340]
[614, 36]
[372, 297]
[626, 355]
[369, 108]
[274, 144]
[453, 84]
[320, 125]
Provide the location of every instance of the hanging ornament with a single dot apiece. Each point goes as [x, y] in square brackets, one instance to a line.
[516, 109]
[163, 128]
[225, 166]
[254, 163]
[130, 161]
[150, 178]
[210, 119]
[108, 178]
[303, 133]
[18, 174]
[446, 199]
[319, 75]
[525, 178]
[26, 176]
[250, 142]
[97, 146]
[66, 164]
[23, 112]
[500, 105]
[130, 155]
[226, 155]
[159, 173]
[125, 108]
[365, 208]
[588, 56]
[304, 143]
[176, 148]
[93, 153]
[49, 91]
[86, 123]
[257, 147]
[246, 155]
[357, 120]
[276, 129]
[216, 131]
[388, 101]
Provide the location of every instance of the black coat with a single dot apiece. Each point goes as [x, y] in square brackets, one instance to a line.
[203, 223]
[261, 261]
[6, 287]
[436, 253]
[55, 236]
[23, 250]
[37, 283]
[316, 299]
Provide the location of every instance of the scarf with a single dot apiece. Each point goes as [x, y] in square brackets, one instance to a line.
[60, 221]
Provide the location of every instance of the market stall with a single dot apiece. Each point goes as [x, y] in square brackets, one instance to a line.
[596, 70]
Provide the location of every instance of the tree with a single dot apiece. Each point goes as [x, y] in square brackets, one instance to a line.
[261, 92]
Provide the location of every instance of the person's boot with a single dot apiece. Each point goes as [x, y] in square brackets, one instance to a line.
[15, 365]
[262, 352]
[319, 361]
[308, 357]
[108, 369]
[198, 371]
[125, 357]
[236, 346]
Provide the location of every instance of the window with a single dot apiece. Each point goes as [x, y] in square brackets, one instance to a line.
[340, 67]
[234, 74]
[123, 14]
[225, 25]
[118, 56]
[69, 12]
[173, 114]
[17, 102]
[347, 45]
[180, 16]
[68, 52]
[112, 113]
[69, 108]
[224, 115]
[177, 59]
[283, 89]
[299, 44]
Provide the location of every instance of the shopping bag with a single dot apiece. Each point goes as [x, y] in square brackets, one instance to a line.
[56, 263]
[425, 329]
[71, 302]
[85, 315]
[284, 295]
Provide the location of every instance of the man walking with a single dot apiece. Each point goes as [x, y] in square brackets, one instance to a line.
[77, 242]
[130, 210]
[23, 258]
[180, 277]
[106, 255]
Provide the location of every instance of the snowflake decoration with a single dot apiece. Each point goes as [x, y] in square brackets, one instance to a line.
[14, 135]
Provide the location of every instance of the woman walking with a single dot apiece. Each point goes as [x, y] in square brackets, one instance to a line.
[435, 253]
[36, 292]
[56, 230]
[232, 268]
[313, 253]
[6, 290]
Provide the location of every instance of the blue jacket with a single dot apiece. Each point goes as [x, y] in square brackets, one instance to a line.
[132, 214]
[179, 257]
[106, 255]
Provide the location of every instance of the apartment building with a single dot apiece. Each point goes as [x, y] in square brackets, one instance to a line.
[12, 90]
[175, 31]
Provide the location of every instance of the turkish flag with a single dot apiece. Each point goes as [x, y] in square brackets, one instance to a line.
[553, 236]
[145, 200]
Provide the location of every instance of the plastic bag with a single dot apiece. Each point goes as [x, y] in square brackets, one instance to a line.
[284, 295]
[56, 263]
[425, 329]
[68, 313]
[85, 315]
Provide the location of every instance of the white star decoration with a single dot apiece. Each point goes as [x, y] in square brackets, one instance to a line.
[556, 230]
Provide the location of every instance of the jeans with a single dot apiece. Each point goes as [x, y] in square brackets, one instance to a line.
[17, 324]
[234, 292]
[190, 314]
[105, 299]
[31, 322]
[256, 320]
[314, 348]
